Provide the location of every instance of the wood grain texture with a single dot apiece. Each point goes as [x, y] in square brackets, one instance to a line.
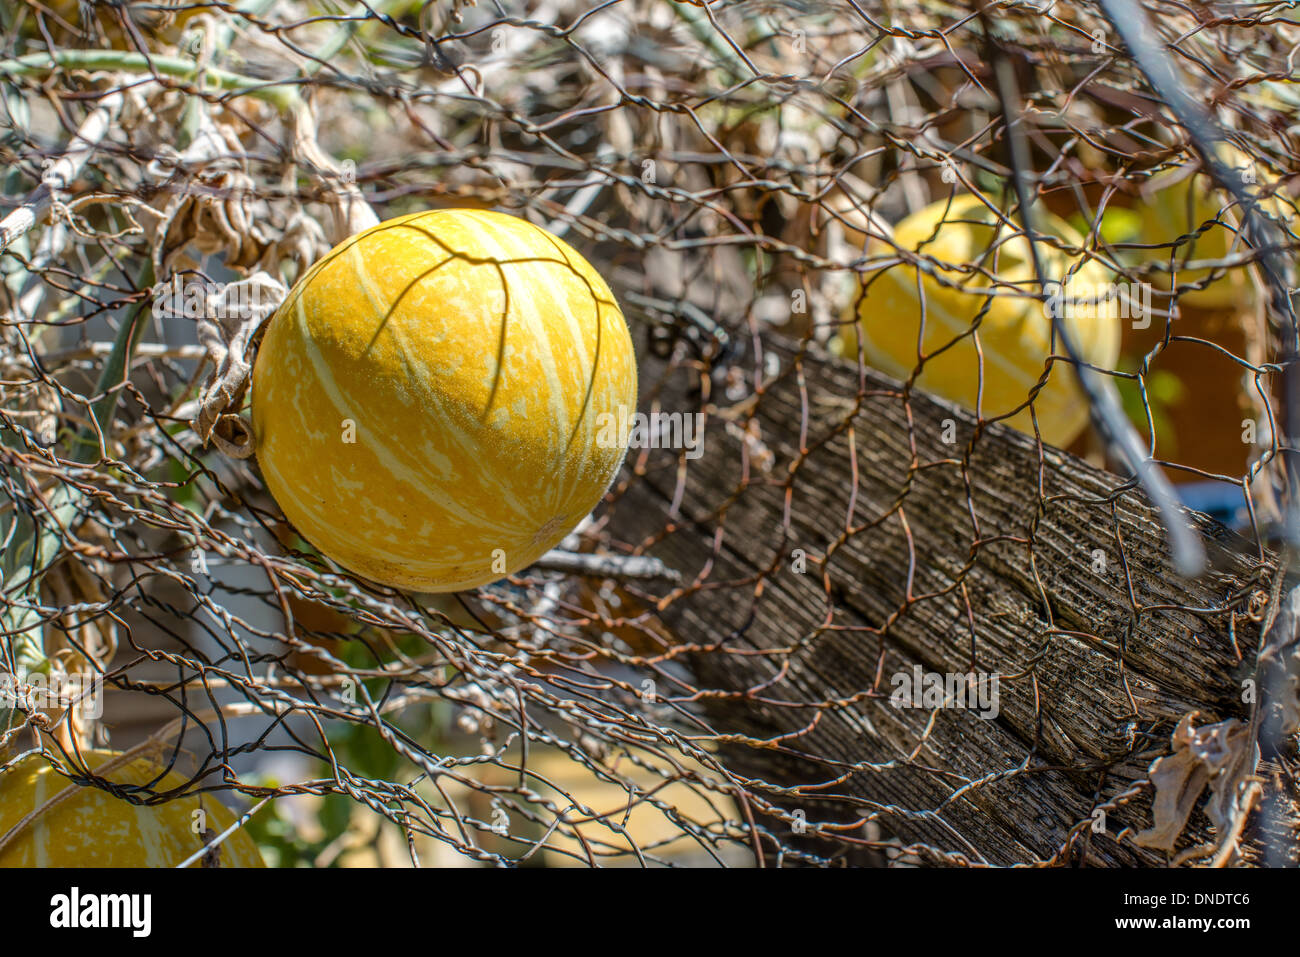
[981, 554]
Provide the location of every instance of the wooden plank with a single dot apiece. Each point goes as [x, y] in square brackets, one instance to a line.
[928, 542]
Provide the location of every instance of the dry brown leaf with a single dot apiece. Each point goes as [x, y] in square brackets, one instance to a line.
[350, 213]
[230, 337]
[1220, 755]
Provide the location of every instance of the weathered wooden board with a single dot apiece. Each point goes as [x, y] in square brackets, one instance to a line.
[926, 543]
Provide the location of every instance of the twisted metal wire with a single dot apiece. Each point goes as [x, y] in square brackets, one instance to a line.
[717, 161]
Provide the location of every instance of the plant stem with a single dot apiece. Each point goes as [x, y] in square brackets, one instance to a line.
[282, 94]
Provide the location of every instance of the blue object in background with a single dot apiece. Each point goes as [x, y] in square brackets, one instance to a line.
[1222, 501]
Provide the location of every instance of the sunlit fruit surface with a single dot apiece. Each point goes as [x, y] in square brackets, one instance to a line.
[972, 317]
[432, 403]
[86, 826]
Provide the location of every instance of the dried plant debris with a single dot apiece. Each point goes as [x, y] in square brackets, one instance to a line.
[1221, 756]
[706, 672]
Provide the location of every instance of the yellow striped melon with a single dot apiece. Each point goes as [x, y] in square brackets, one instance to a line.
[431, 403]
[897, 327]
[93, 828]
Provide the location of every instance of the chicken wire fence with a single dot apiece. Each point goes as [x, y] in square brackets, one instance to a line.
[730, 168]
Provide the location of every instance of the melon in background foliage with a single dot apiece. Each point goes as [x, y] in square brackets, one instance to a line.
[93, 828]
[1014, 333]
[431, 402]
[1178, 204]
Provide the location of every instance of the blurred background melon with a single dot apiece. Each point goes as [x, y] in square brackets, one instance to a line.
[92, 827]
[999, 300]
[1184, 211]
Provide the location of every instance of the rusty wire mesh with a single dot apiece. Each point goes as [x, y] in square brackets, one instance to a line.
[718, 163]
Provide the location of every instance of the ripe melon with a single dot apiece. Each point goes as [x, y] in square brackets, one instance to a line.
[93, 828]
[1015, 332]
[1178, 204]
[431, 402]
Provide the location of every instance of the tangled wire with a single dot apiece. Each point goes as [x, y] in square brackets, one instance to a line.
[654, 691]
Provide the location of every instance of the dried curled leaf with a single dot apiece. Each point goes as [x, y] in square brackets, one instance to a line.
[219, 218]
[230, 335]
[1220, 755]
[350, 213]
[218, 211]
